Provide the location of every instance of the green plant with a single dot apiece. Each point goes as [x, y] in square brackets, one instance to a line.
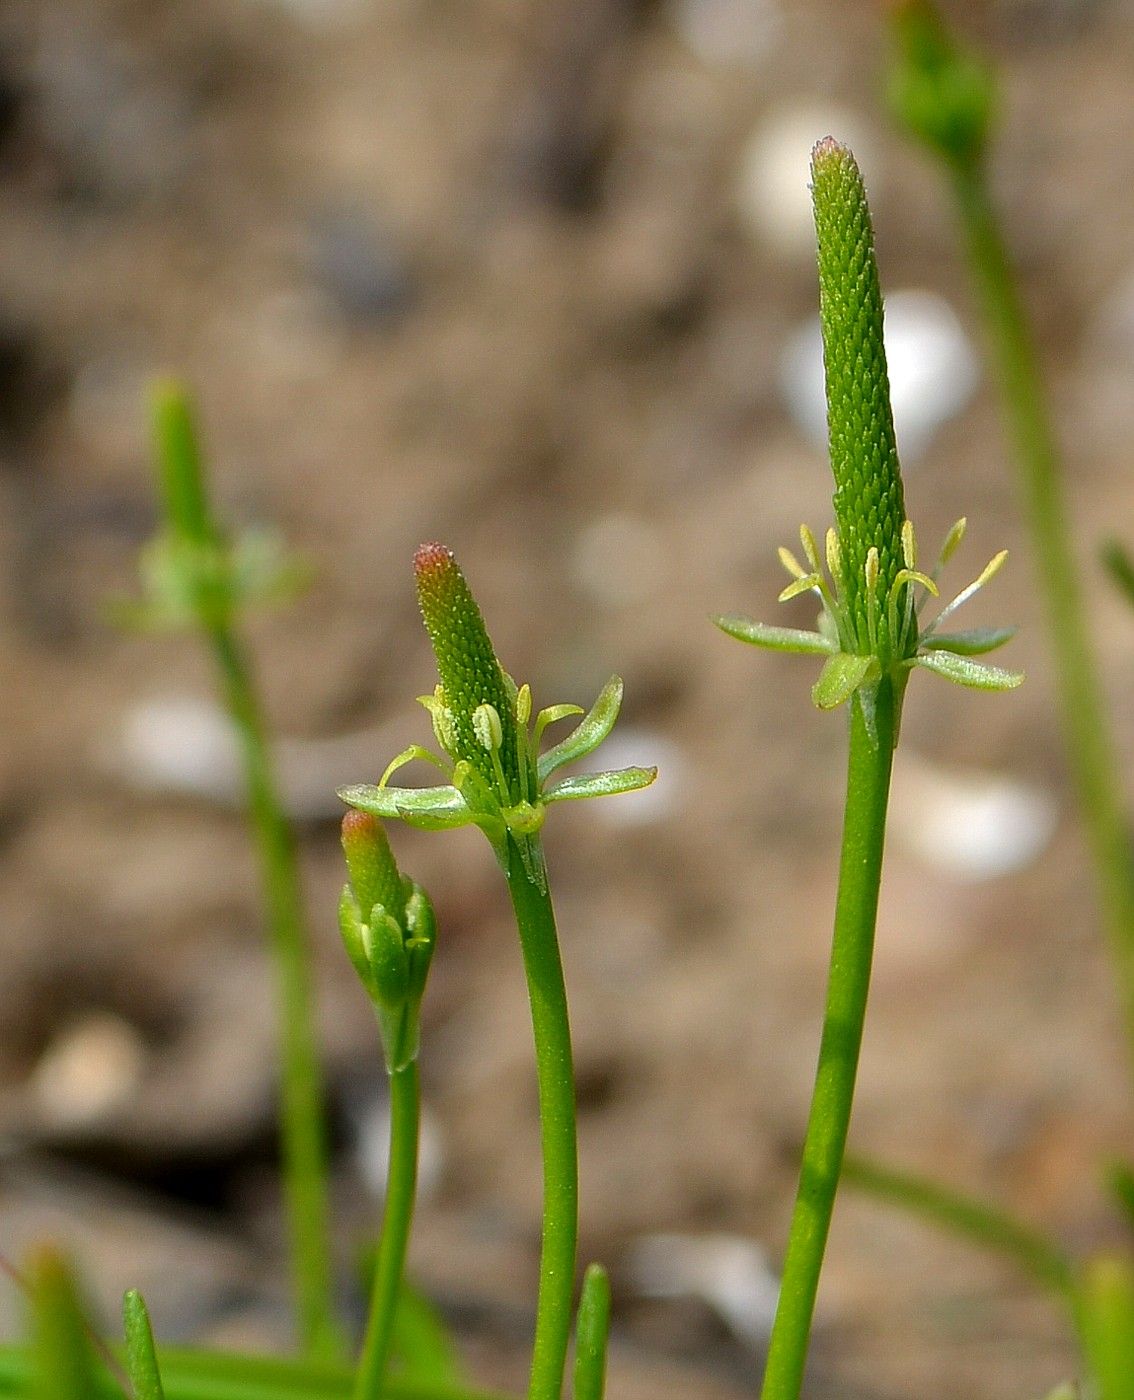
[945, 97]
[871, 634]
[194, 577]
[500, 782]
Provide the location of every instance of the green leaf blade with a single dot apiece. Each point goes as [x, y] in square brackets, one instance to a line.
[840, 678]
[760, 634]
[977, 641]
[605, 784]
[588, 734]
[961, 670]
[431, 808]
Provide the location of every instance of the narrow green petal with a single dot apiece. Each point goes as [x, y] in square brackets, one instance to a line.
[588, 734]
[759, 634]
[432, 808]
[974, 642]
[600, 784]
[962, 671]
[840, 677]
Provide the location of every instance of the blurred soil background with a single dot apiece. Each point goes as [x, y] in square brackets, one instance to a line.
[536, 280]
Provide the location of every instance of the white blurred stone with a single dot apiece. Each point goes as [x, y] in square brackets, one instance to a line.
[372, 1148]
[618, 560]
[184, 746]
[933, 371]
[729, 1274]
[92, 1068]
[728, 31]
[628, 747]
[773, 190]
[973, 826]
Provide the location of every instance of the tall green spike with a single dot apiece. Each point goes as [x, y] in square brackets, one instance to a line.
[869, 502]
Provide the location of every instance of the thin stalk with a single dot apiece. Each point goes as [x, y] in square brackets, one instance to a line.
[397, 1216]
[1090, 746]
[869, 762]
[970, 1219]
[535, 920]
[302, 1112]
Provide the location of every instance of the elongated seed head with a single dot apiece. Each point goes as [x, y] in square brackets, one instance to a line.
[869, 502]
[374, 875]
[470, 674]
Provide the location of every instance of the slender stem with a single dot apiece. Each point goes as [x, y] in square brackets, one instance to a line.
[973, 1220]
[551, 1028]
[1088, 735]
[198, 1375]
[401, 1184]
[864, 825]
[302, 1111]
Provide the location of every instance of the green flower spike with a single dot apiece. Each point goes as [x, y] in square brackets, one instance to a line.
[192, 574]
[490, 742]
[387, 925]
[868, 584]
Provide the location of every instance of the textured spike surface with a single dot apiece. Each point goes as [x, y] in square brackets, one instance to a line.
[869, 503]
[467, 666]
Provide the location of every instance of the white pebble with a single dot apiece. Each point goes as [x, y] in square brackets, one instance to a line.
[933, 371]
[973, 826]
[618, 560]
[730, 1274]
[728, 31]
[93, 1067]
[773, 191]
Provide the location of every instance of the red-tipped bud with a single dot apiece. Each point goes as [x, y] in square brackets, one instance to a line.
[374, 875]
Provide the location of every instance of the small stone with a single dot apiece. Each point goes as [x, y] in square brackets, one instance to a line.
[728, 1273]
[972, 826]
[933, 371]
[618, 560]
[94, 1067]
[728, 31]
[773, 192]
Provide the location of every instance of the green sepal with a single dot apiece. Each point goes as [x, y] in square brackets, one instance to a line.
[430, 809]
[588, 733]
[600, 784]
[759, 634]
[975, 642]
[353, 932]
[963, 671]
[421, 928]
[141, 1354]
[386, 954]
[841, 676]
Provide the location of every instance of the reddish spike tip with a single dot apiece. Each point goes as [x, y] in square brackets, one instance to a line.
[359, 826]
[830, 149]
[432, 559]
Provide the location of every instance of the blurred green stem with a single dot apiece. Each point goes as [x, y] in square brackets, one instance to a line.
[869, 764]
[302, 1110]
[401, 1184]
[1094, 765]
[535, 920]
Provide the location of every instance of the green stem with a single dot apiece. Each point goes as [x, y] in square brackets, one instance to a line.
[864, 826]
[1091, 752]
[972, 1220]
[302, 1111]
[551, 1029]
[401, 1184]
